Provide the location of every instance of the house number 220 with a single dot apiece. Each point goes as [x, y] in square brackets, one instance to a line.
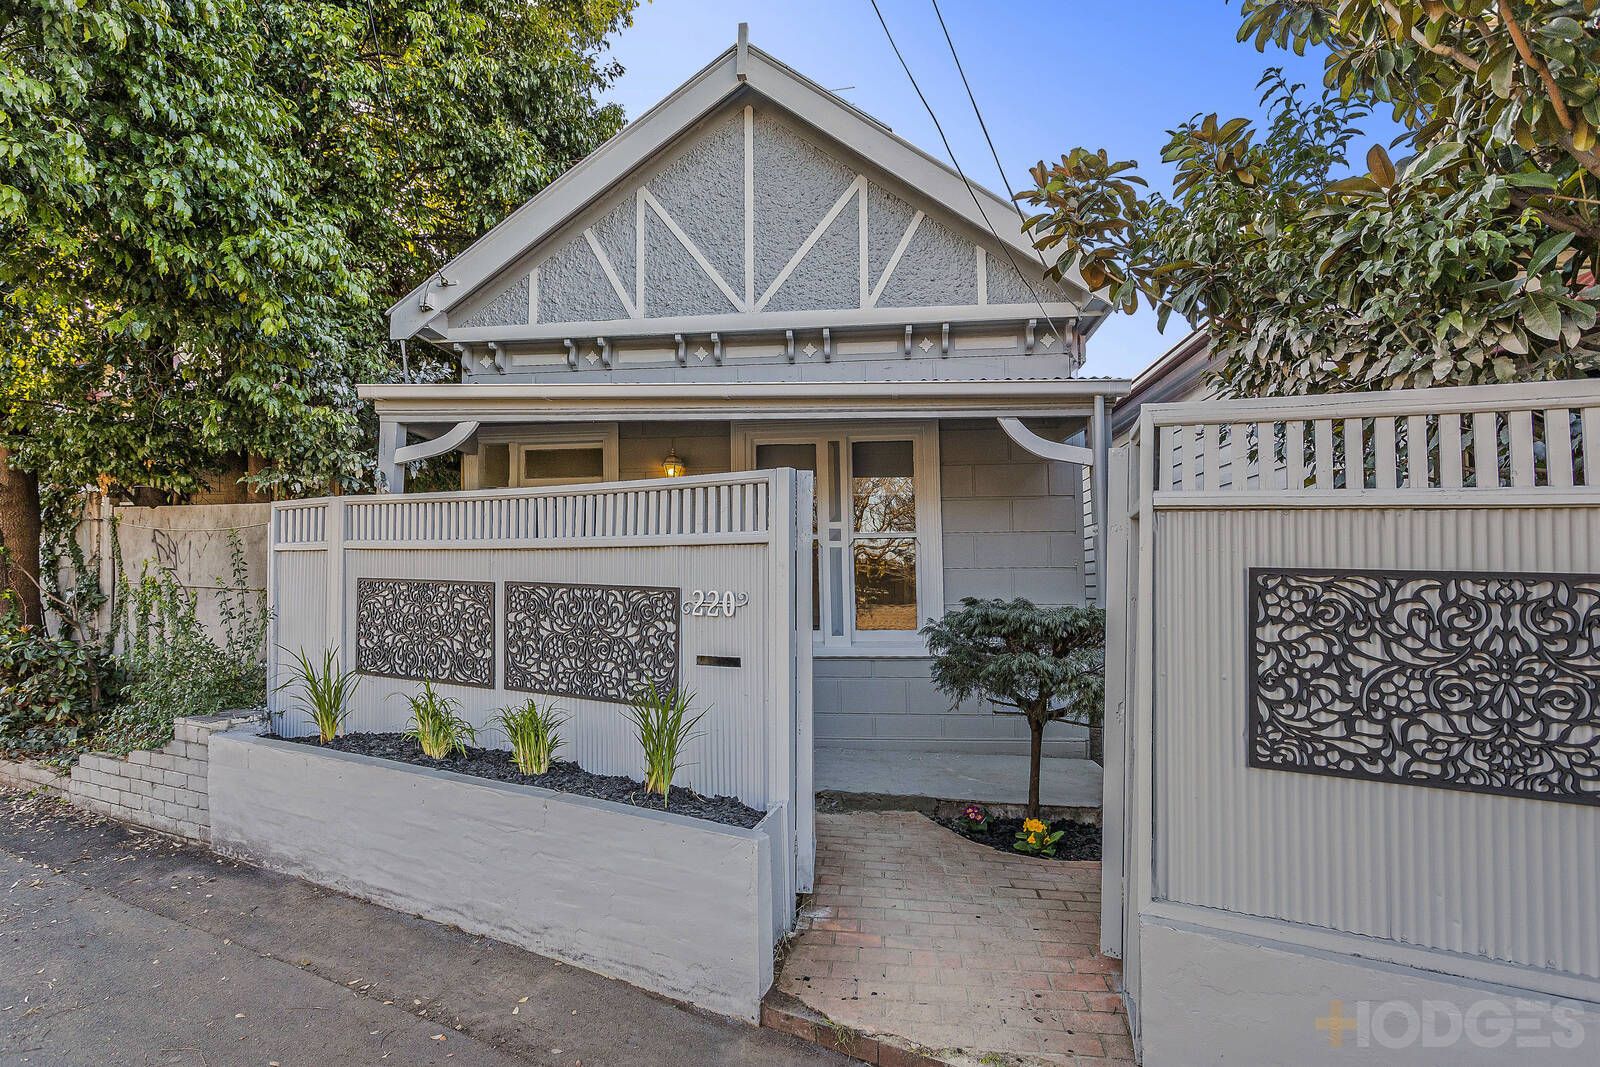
[711, 604]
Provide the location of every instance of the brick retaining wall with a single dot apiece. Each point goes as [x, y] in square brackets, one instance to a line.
[162, 789]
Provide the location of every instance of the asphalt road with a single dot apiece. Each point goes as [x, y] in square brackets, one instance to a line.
[121, 947]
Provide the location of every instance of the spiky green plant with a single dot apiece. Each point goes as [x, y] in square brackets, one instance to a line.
[533, 733]
[325, 690]
[435, 724]
[663, 723]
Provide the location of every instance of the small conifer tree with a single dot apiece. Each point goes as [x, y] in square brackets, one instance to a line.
[1048, 663]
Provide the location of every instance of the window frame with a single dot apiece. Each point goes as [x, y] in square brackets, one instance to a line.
[929, 535]
[522, 439]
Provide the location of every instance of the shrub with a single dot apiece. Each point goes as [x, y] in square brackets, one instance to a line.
[435, 724]
[325, 691]
[1048, 663]
[662, 723]
[175, 667]
[49, 688]
[532, 731]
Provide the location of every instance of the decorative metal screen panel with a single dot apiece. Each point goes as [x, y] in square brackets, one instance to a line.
[595, 642]
[439, 630]
[1483, 682]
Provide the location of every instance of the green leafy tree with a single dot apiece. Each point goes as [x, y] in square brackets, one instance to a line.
[1471, 259]
[1048, 663]
[206, 204]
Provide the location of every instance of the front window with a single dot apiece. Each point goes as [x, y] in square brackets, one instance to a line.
[541, 457]
[874, 532]
[562, 464]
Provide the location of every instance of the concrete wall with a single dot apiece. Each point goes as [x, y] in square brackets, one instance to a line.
[1214, 998]
[679, 906]
[191, 542]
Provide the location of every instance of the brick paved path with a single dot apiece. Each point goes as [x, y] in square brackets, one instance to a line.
[920, 933]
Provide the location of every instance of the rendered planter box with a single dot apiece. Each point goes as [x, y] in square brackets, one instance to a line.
[683, 907]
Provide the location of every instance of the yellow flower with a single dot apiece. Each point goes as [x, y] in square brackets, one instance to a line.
[1033, 826]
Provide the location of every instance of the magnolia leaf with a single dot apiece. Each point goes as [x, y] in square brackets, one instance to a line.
[1548, 250]
[1381, 166]
[1543, 317]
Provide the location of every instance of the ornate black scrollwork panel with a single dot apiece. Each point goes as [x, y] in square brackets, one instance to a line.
[439, 630]
[595, 642]
[1483, 682]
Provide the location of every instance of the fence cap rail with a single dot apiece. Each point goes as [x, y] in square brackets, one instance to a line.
[1529, 396]
[759, 477]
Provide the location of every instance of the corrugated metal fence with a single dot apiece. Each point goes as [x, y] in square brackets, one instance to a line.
[733, 539]
[1504, 480]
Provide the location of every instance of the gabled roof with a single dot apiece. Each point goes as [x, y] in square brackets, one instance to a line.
[740, 69]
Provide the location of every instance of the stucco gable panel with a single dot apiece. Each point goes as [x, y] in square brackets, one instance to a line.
[795, 185]
[937, 267]
[827, 277]
[574, 288]
[674, 284]
[887, 219]
[1007, 287]
[702, 188]
[699, 146]
[815, 213]
[615, 233]
[508, 308]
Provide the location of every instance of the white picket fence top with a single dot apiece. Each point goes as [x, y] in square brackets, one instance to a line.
[1540, 441]
[705, 509]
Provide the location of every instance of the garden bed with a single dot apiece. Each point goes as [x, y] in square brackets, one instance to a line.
[686, 907]
[563, 777]
[1079, 840]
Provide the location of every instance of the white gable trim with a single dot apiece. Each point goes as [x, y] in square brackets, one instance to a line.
[561, 201]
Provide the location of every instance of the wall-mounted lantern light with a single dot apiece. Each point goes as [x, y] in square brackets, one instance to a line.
[672, 466]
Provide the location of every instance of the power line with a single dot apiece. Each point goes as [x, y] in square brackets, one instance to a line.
[984, 126]
[972, 192]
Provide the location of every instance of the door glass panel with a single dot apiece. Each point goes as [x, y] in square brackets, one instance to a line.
[835, 511]
[549, 466]
[882, 487]
[886, 583]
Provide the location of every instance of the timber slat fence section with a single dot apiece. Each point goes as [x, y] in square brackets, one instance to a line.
[1414, 443]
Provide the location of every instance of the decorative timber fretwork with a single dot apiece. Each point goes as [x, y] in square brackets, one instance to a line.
[442, 631]
[593, 642]
[752, 217]
[1482, 682]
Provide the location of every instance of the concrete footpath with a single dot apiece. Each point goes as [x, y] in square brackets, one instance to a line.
[120, 946]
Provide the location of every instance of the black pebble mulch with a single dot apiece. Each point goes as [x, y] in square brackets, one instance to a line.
[1079, 840]
[563, 777]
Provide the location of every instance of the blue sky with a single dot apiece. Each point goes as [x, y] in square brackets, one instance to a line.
[1114, 74]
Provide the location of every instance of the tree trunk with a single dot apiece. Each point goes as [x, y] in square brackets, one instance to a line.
[1035, 752]
[19, 532]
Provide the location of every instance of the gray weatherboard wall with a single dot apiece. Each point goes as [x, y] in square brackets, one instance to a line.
[682, 907]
